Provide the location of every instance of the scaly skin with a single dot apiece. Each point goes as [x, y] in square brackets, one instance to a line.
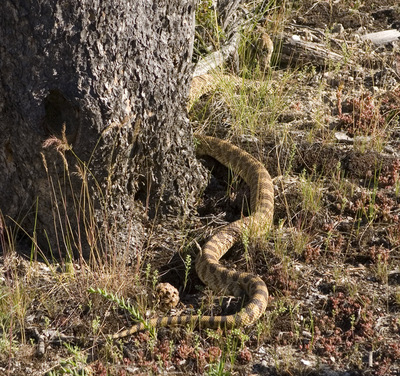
[208, 268]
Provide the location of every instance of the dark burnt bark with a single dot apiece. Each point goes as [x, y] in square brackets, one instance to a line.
[111, 80]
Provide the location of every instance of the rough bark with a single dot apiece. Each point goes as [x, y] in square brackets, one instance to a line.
[92, 119]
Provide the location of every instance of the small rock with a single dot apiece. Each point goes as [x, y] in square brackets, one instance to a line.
[306, 362]
[264, 363]
[390, 149]
[382, 37]
[338, 29]
[132, 369]
[343, 137]
[363, 139]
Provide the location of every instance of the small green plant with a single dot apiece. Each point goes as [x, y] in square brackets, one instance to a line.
[225, 352]
[289, 163]
[366, 119]
[188, 265]
[8, 345]
[122, 303]
[397, 298]
[236, 340]
[75, 365]
[147, 272]
[246, 243]
[96, 324]
[311, 192]
[154, 279]
[312, 330]
[208, 31]
[381, 262]
[218, 369]
[14, 303]
[397, 187]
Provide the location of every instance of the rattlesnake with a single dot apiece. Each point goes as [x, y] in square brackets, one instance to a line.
[208, 268]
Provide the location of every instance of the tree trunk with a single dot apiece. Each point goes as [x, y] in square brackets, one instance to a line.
[93, 127]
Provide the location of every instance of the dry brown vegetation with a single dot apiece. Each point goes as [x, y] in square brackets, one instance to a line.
[329, 135]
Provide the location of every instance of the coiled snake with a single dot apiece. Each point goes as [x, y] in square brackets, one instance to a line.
[208, 268]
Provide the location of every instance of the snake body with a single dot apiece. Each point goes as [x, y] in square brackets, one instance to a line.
[208, 268]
